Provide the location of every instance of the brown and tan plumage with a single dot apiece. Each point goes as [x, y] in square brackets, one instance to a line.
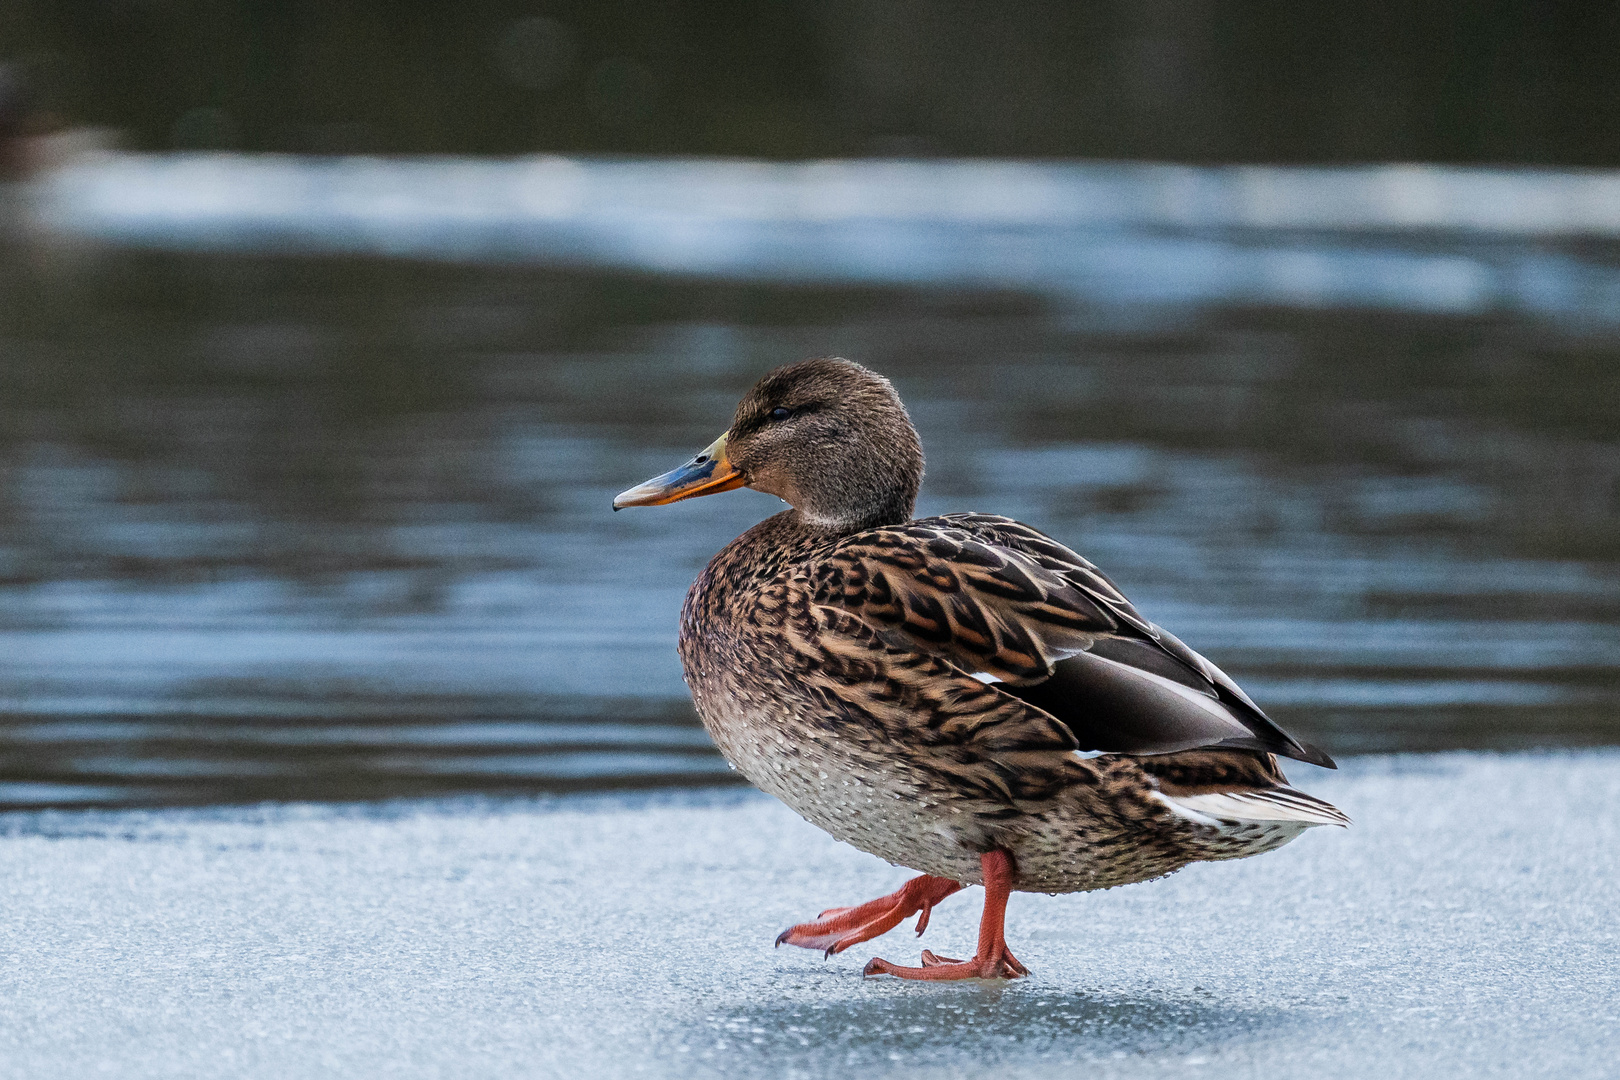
[961, 694]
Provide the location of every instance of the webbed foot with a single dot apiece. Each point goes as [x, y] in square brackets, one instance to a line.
[836, 929]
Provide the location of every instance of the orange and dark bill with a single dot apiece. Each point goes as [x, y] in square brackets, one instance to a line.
[706, 474]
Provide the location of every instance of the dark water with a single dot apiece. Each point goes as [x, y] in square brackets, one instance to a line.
[294, 528]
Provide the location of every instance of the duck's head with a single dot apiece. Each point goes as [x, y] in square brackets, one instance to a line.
[826, 435]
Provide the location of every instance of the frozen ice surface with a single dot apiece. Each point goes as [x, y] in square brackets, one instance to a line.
[1466, 926]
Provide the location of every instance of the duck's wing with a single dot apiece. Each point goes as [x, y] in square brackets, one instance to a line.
[1018, 611]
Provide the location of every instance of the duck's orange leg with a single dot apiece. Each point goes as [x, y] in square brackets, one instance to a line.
[992, 960]
[836, 929]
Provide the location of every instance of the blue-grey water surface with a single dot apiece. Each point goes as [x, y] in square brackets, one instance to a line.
[296, 527]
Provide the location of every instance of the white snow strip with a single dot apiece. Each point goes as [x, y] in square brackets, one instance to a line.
[1399, 236]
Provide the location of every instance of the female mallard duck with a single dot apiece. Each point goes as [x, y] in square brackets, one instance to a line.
[962, 694]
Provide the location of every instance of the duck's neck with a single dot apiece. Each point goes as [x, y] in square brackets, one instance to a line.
[889, 512]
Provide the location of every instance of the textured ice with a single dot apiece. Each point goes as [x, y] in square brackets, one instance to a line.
[1466, 926]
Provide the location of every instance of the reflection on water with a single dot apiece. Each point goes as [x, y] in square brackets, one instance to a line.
[330, 529]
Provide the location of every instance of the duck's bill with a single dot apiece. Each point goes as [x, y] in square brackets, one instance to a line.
[708, 473]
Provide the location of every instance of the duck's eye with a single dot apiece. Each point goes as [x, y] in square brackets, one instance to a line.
[781, 412]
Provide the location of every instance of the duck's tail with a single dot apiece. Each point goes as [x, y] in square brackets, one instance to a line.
[1277, 805]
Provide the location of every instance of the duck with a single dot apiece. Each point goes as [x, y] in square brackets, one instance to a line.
[960, 695]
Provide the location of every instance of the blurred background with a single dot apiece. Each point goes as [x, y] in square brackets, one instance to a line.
[1510, 81]
[328, 332]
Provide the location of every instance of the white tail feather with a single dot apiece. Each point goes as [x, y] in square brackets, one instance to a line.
[1281, 804]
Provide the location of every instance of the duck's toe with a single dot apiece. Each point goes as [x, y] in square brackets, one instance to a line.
[836, 929]
[1001, 965]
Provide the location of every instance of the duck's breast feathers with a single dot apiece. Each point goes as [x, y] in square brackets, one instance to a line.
[1012, 607]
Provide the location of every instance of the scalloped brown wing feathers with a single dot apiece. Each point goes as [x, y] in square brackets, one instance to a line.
[993, 598]
[991, 746]
[986, 607]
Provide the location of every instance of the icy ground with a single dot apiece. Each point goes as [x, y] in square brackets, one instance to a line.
[1467, 926]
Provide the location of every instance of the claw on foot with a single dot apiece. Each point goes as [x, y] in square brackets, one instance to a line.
[836, 929]
[992, 960]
